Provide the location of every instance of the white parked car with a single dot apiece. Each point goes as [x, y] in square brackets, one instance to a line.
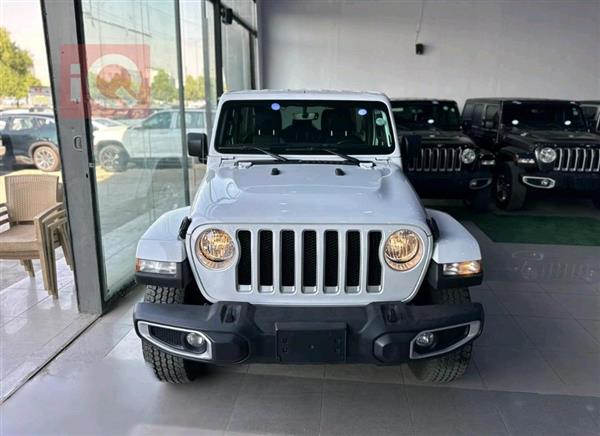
[156, 137]
[305, 243]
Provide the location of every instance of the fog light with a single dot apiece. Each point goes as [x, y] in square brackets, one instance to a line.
[197, 341]
[425, 339]
[156, 267]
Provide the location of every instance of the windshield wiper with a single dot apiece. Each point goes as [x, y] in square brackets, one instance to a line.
[347, 158]
[252, 147]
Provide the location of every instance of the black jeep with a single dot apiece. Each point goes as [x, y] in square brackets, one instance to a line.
[438, 158]
[591, 111]
[540, 145]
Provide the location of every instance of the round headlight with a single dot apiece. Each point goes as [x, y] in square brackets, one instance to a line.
[215, 248]
[468, 156]
[546, 155]
[403, 250]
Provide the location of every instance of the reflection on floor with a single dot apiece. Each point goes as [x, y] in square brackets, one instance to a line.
[536, 371]
[34, 326]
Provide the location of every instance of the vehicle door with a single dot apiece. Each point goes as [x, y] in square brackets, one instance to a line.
[21, 133]
[476, 131]
[489, 126]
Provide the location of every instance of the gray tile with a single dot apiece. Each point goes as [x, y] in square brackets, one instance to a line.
[529, 414]
[513, 286]
[310, 371]
[443, 411]
[508, 369]
[570, 288]
[592, 327]
[491, 303]
[357, 408]
[580, 306]
[559, 334]
[532, 304]
[502, 331]
[95, 343]
[259, 385]
[16, 301]
[297, 413]
[367, 373]
[580, 371]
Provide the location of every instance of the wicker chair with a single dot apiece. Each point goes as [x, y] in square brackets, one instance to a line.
[37, 224]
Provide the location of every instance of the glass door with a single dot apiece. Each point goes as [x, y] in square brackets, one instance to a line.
[140, 163]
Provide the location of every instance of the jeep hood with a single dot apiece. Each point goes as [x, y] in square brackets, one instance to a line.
[307, 193]
[533, 137]
[446, 137]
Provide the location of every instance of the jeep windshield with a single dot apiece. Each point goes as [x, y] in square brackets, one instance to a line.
[543, 116]
[304, 127]
[426, 115]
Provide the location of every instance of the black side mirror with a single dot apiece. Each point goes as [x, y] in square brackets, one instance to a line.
[197, 144]
[411, 146]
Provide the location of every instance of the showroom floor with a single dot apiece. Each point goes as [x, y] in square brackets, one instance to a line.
[536, 371]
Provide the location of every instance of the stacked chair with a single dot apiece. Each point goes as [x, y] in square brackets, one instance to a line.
[33, 223]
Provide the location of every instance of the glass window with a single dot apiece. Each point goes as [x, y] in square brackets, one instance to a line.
[310, 127]
[589, 112]
[423, 115]
[477, 114]
[133, 76]
[3, 123]
[467, 111]
[22, 123]
[491, 114]
[237, 65]
[543, 115]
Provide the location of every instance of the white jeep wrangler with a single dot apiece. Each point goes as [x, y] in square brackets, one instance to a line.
[306, 244]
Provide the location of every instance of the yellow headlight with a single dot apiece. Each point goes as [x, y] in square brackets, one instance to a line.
[403, 250]
[215, 248]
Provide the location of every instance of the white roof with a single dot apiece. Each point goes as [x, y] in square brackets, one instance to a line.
[289, 94]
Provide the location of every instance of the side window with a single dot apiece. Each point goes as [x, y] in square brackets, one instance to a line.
[158, 121]
[3, 123]
[22, 123]
[491, 114]
[589, 112]
[467, 111]
[477, 115]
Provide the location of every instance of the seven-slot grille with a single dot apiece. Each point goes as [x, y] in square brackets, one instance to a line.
[577, 159]
[309, 261]
[436, 159]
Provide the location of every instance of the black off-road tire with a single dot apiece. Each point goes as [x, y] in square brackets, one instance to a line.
[479, 202]
[454, 364]
[167, 368]
[510, 193]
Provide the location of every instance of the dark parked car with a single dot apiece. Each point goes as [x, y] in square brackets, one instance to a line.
[29, 138]
[540, 145]
[438, 158]
[591, 111]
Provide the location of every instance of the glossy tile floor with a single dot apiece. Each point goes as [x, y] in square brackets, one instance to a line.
[34, 326]
[536, 371]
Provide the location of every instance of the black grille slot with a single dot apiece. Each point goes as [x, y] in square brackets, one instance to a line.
[244, 268]
[331, 258]
[309, 261]
[287, 258]
[168, 336]
[265, 274]
[374, 265]
[352, 258]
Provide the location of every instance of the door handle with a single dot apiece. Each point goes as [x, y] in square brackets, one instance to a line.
[77, 144]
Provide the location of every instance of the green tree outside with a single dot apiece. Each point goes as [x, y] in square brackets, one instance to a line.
[163, 87]
[16, 65]
[194, 88]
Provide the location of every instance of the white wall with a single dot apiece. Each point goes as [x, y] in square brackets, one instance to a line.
[528, 48]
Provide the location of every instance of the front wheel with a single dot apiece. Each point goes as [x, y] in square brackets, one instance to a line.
[510, 193]
[166, 367]
[454, 364]
[46, 158]
[113, 158]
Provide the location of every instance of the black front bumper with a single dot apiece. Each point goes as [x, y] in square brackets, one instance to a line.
[380, 333]
[449, 184]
